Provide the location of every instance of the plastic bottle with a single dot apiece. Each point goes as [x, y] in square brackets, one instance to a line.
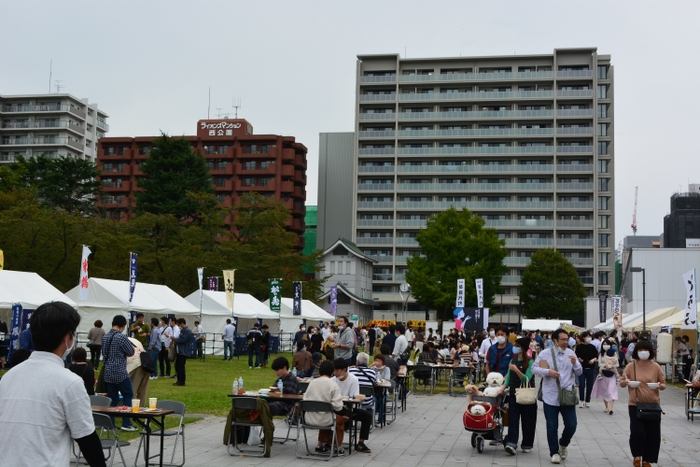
[121, 400]
[240, 382]
[235, 386]
[294, 372]
[280, 385]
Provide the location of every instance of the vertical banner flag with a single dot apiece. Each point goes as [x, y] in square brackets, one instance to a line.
[334, 299]
[691, 308]
[200, 278]
[133, 271]
[2, 261]
[602, 303]
[214, 283]
[616, 308]
[275, 294]
[229, 278]
[15, 327]
[84, 282]
[296, 286]
[480, 292]
[460, 294]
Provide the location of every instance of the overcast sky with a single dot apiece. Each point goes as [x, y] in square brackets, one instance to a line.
[150, 64]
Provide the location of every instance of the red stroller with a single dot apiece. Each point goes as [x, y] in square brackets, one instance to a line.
[488, 426]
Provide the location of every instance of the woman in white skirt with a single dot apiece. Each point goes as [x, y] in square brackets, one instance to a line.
[605, 386]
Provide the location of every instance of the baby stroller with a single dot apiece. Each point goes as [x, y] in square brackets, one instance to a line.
[489, 426]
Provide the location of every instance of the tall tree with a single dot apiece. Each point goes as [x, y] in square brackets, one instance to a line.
[172, 171]
[550, 287]
[455, 245]
[64, 183]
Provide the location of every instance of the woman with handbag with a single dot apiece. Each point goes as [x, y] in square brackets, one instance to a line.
[522, 403]
[605, 386]
[645, 378]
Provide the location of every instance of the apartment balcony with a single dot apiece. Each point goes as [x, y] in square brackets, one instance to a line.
[299, 192]
[516, 261]
[286, 186]
[48, 125]
[490, 205]
[578, 113]
[481, 150]
[375, 187]
[588, 168]
[375, 223]
[451, 78]
[377, 134]
[376, 169]
[382, 277]
[542, 242]
[581, 261]
[583, 131]
[400, 277]
[510, 279]
[476, 133]
[476, 115]
[375, 205]
[121, 185]
[578, 242]
[44, 140]
[574, 186]
[375, 240]
[586, 280]
[420, 223]
[366, 117]
[520, 223]
[475, 96]
[378, 97]
[25, 108]
[575, 93]
[574, 205]
[287, 170]
[113, 202]
[575, 150]
[574, 224]
[376, 151]
[239, 185]
[575, 74]
[102, 125]
[382, 259]
[471, 187]
[377, 79]
[124, 170]
[451, 169]
[226, 186]
[407, 241]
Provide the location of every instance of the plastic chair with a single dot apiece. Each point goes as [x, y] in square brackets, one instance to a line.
[96, 399]
[391, 405]
[315, 407]
[426, 374]
[178, 409]
[369, 392]
[247, 403]
[458, 377]
[103, 424]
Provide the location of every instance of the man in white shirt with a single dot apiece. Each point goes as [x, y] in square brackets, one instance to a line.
[350, 386]
[566, 365]
[199, 335]
[409, 337]
[401, 344]
[598, 342]
[227, 336]
[325, 331]
[43, 406]
[488, 342]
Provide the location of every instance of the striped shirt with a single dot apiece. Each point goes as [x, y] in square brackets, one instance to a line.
[366, 377]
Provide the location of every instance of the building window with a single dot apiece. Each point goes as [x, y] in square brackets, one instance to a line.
[263, 181]
[602, 148]
[340, 267]
[602, 72]
[602, 277]
[145, 150]
[603, 166]
[603, 240]
[249, 165]
[602, 91]
[249, 181]
[602, 111]
[220, 199]
[603, 259]
[332, 268]
[209, 149]
[603, 184]
[603, 202]
[220, 181]
[602, 222]
[602, 129]
[223, 149]
[264, 165]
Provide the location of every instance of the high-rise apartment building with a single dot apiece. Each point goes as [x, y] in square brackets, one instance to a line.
[50, 124]
[682, 225]
[526, 142]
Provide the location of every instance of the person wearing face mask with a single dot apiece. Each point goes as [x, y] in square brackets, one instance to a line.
[316, 340]
[520, 371]
[499, 355]
[116, 347]
[43, 407]
[345, 342]
[605, 386]
[300, 335]
[588, 357]
[645, 435]
[488, 341]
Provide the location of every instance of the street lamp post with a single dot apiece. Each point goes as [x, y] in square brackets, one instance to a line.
[644, 295]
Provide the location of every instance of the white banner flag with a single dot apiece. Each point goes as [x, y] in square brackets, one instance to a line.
[460, 293]
[616, 306]
[229, 277]
[84, 279]
[480, 292]
[691, 308]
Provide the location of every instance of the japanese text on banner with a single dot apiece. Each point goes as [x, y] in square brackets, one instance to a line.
[480, 292]
[275, 294]
[460, 294]
[690, 321]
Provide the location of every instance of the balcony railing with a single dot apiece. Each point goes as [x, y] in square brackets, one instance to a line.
[382, 277]
[581, 261]
[378, 79]
[576, 224]
[574, 113]
[574, 186]
[474, 205]
[575, 74]
[480, 150]
[411, 222]
[547, 242]
[475, 186]
[375, 204]
[376, 151]
[477, 76]
[574, 205]
[35, 108]
[377, 97]
[375, 240]
[481, 114]
[588, 131]
[575, 93]
[574, 242]
[377, 134]
[476, 132]
[375, 223]
[519, 223]
[544, 168]
[376, 169]
[410, 241]
[575, 149]
[516, 261]
[461, 96]
[377, 116]
[382, 258]
[53, 140]
[574, 167]
[375, 186]
[102, 125]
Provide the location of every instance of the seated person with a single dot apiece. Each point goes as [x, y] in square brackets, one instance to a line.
[290, 385]
[325, 390]
[390, 362]
[313, 372]
[434, 350]
[83, 369]
[379, 365]
[350, 387]
[426, 357]
[302, 359]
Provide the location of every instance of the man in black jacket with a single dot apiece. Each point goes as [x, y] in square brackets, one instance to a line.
[183, 344]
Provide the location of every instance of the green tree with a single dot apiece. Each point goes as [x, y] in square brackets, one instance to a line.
[172, 173]
[455, 245]
[550, 287]
[64, 183]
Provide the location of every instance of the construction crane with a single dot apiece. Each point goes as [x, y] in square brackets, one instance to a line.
[634, 213]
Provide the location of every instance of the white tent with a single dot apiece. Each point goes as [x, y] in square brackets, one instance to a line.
[651, 318]
[547, 325]
[109, 297]
[608, 324]
[27, 288]
[674, 321]
[289, 322]
[246, 308]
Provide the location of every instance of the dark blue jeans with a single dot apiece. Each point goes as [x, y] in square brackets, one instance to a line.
[127, 390]
[568, 415]
[585, 385]
[255, 351]
[154, 355]
[228, 350]
[525, 415]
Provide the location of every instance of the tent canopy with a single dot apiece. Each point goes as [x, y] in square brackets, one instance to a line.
[244, 305]
[309, 310]
[29, 289]
[608, 324]
[547, 325]
[674, 321]
[651, 318]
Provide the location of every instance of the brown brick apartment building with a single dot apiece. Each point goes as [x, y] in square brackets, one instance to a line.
[238, 160]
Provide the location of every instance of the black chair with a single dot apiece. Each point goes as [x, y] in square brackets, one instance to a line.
[108, 438]
[178, 409]
[459, 376]
[97, 399]
[424, 374]
[368, 391]
[247, 403]
[315, 407]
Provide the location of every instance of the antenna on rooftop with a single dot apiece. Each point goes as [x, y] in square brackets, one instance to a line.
[220, 114]
[236, 105]
[58, 86]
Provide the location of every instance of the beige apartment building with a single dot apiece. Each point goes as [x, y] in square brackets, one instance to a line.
[524, 141]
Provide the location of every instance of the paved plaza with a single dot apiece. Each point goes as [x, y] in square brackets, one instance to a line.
[430, 433]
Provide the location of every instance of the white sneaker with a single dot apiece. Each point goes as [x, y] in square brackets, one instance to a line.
[129, 428]
[556, 459]
[563, 451]
[527, 450]
[510, 450]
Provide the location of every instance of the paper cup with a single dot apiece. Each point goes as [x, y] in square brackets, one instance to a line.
[152, 402]
[135, 405]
